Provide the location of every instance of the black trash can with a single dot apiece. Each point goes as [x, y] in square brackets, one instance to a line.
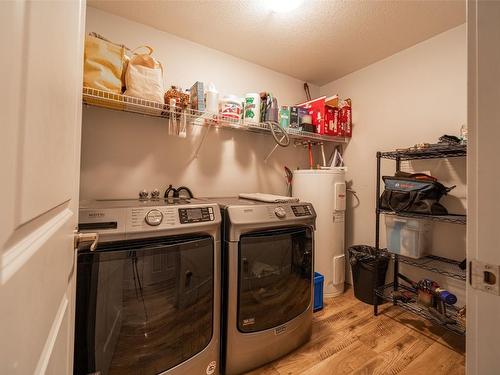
[365, 261]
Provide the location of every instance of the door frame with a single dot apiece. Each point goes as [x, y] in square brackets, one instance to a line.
[483, 184]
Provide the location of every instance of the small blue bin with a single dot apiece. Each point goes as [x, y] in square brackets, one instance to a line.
[318, 291]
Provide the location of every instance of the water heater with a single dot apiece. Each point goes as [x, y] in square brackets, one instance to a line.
[326, 190]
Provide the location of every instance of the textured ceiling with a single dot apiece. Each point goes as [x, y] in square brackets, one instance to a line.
[317, 42]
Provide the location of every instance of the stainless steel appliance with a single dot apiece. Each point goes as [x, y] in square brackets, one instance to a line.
[267, 280]
[148, 296]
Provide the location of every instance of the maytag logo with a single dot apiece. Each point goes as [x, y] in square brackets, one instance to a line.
[280, 330]
[96, 214]
[248, 321]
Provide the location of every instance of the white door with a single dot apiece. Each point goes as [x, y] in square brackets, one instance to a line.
[483, 196]
[40, 121]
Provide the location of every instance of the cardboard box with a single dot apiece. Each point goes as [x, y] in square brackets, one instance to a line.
[345, 117]
[327, 116]
[197, 97]
[317, 110]
[332, 123]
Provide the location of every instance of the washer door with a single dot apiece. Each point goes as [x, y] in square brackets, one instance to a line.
[143, 306]
[275, 274]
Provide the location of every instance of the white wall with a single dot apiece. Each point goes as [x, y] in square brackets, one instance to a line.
[414, 96]
[123, 153]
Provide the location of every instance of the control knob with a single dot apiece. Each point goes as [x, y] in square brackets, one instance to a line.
[280, 212]
[153, 218]
[155, 194]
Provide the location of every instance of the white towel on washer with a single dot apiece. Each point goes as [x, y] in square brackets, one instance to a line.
[269, 198]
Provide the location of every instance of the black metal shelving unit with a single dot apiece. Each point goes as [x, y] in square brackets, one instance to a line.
[442, 266]
[438, 151]
[455, 325]
[451, 218]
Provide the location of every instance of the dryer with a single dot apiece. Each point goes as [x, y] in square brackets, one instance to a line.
[268, 252]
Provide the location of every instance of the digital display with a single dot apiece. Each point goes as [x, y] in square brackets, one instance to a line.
[194, 214]
[300, 209]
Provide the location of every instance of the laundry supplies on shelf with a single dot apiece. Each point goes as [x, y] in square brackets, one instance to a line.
[230, 107]
[105, 99]
[211, 99]
[252, 108]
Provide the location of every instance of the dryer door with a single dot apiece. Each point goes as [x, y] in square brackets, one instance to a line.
[275, 277]
[143, 306]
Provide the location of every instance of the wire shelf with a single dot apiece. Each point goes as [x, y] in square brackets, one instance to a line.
[436, 264]
[450, 218]
[435, 151]
[118, 102]
[386, 292]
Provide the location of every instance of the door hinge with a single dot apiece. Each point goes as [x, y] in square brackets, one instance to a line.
[86, 237]
[485, 276]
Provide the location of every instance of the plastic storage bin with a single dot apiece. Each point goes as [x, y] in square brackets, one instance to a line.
[318, 291]
[408, 237]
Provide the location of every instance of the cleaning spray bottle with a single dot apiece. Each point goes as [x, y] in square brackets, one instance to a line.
[212, 99]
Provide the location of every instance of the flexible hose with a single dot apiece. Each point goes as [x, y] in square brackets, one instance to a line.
[285, 139]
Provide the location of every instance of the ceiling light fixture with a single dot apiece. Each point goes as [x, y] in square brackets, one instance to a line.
[283, 6]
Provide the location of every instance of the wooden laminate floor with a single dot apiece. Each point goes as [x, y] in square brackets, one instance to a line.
[348, 339]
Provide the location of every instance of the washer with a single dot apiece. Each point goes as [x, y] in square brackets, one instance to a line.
[148, 296]
[267, 280]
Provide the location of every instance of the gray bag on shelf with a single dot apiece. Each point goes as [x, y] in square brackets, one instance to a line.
[415, 193]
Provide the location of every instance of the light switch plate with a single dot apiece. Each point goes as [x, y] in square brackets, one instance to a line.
[485, 277]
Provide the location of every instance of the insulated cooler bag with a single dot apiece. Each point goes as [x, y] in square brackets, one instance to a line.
[416, 193]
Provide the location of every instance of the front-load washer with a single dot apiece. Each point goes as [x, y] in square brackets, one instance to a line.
[148, 296]
[267, 257]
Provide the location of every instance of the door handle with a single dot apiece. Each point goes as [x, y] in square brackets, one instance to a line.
[189, 276]
[86, 237]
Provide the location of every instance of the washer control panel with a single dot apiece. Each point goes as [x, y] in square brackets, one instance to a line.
[301, 210]
[196, 215]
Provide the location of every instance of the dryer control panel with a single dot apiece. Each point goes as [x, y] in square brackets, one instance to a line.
[301, 210]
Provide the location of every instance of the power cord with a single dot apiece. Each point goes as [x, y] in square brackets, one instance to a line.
[285, 139]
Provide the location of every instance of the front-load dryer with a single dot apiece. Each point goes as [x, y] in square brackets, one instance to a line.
[268, 260]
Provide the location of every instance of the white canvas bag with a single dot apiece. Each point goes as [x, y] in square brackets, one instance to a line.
[144, 77]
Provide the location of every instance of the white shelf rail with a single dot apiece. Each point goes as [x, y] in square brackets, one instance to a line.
[118, 102]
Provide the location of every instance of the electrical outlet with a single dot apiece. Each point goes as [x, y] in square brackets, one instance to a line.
[485, 277]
